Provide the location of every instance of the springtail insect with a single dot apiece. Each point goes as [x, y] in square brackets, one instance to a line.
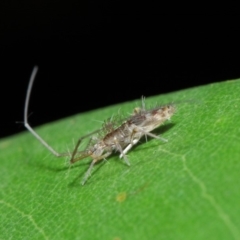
[114, 136]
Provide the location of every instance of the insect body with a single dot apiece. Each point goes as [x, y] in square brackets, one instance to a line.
[114, 136]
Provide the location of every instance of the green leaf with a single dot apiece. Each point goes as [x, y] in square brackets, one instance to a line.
[187, 188]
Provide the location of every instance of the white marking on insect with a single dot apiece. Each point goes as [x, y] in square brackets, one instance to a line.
[114, 136]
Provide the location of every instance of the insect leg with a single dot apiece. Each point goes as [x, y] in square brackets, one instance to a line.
[72, 160]
[129, 146]
[26, 124]
[134, 141]
[122, 154]
[88, 173]
[40, 139]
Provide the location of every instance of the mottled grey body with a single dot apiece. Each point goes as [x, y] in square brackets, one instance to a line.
[121, 139]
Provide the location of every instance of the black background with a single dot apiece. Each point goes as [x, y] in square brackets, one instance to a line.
[93, 54]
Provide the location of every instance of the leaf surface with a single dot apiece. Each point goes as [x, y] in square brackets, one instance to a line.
[187, 188]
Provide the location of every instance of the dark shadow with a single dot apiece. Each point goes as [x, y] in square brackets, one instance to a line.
[163, 128]
[55, 169]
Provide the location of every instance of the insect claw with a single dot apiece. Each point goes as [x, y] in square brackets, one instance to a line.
[86, 177]
[163, 139]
